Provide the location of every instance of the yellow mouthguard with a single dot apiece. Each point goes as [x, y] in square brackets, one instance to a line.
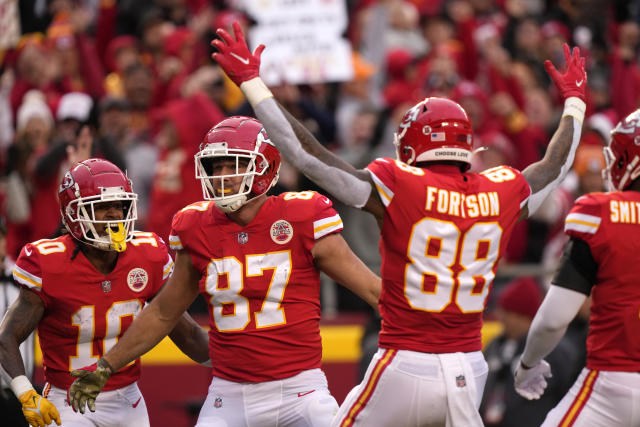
[118, 238]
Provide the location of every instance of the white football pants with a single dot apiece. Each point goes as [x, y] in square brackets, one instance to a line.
[599, 399]
[407, 388]
[123, 407]
[300, 401]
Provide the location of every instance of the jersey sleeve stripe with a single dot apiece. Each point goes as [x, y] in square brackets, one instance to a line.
[324, 222]
[175, 243]
[27, 279]
[386, 195]
[580, 226]
[584, 218]
[328, 228]
[168, 269]
[582, 223]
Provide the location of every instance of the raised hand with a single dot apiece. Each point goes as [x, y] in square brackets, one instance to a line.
[234, 56]
[573, 81]
[37, 410]
[531, 382]
[88, 385]
[81, 150]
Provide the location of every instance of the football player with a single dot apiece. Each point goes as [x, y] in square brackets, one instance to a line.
[82, 291]
[600, 260]
[443, 231]
[256, 260]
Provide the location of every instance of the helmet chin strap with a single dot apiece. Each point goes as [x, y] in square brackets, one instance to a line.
[231, 204]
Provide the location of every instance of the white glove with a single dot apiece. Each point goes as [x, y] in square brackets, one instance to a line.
[530, 382]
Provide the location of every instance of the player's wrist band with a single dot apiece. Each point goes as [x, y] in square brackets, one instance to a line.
[105, 365]
[255, 90]
[574, 107]
[20, 385]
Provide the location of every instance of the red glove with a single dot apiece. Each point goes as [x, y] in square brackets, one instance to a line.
[235, 58]
[574, 80]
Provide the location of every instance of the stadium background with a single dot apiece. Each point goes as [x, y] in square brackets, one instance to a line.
[136, 71]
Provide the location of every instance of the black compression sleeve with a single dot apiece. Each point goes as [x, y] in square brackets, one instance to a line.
[578, 269]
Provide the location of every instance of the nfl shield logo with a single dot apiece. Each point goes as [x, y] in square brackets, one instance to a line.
[106, 286]
[217, 403]
[461, 381]
[243, 238]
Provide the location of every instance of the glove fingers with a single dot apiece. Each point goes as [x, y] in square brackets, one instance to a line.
[218, 44]
[225, 36]
[237, 30]
[567, 53]
[79, 373]
[55, 415]
[91, 403]
[45, 417]
[576, 54]
[551, 70]
[82, 403]
[258, 52]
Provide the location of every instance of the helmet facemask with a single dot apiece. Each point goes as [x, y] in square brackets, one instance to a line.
[116, 232]
[224, 198]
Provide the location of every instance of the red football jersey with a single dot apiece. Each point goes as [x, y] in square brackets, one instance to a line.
[609, 224]
[86, 312]
[442, 236]
[260, 282]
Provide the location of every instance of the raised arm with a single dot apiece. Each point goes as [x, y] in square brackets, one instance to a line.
[21, 319]
[545, 175]
[348, 184]
[153, 324]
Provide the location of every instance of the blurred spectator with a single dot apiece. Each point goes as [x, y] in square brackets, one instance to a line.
[182, 126]
[625, 73]
[138, 86]
[73, 56]
[501, 405]
[73, 111]
[33, 132]
[353, 95]
[121, 52]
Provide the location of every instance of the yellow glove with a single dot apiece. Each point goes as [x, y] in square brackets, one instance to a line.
[38, 411]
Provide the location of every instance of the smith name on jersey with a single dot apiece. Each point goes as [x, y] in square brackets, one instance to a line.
[443, 234]
[260, 282]
[86, 312]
